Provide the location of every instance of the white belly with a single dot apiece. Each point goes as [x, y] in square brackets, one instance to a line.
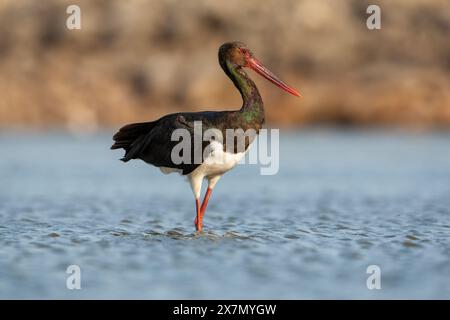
[217, 162]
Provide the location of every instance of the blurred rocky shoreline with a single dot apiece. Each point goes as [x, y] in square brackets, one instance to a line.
[137, 60]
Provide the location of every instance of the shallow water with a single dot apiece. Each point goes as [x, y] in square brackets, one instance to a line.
[341, 201]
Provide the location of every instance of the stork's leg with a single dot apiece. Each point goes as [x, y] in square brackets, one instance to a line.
[196, 186]
[198, 218]
[211, 184]
[205, 201]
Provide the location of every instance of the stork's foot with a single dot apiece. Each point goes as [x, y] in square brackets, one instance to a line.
[198, 225]
[198, 222]
[201, 210]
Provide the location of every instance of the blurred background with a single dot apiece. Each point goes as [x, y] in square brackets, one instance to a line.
[374, 194]
[137, 60]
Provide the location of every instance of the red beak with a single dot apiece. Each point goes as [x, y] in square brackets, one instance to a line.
[258, 67]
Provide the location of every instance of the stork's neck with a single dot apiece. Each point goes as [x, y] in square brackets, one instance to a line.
[252, 109]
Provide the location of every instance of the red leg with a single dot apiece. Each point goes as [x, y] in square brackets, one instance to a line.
[198, 219]
[205, 202]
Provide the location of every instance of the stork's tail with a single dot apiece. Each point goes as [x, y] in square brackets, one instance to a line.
[129, 138]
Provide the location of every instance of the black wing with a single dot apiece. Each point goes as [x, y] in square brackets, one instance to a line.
[152, 141]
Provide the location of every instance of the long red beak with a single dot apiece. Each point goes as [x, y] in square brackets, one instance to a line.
[258, 67]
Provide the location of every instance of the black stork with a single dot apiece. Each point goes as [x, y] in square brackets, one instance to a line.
[152, 141]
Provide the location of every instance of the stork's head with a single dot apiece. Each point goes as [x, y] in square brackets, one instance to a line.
[238, 54]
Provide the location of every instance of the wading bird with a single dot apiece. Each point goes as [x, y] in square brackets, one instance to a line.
[152, 141]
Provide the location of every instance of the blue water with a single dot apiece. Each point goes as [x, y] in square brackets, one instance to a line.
[341, 201]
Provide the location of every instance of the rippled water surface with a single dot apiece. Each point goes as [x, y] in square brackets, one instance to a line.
[340, 202]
